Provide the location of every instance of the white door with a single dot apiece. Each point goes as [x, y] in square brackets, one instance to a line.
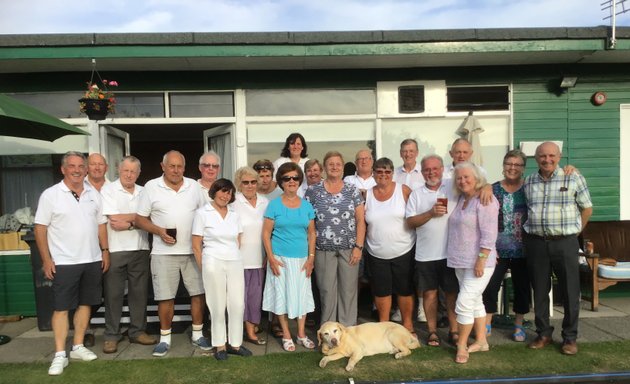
[114, 146]
[221, 140]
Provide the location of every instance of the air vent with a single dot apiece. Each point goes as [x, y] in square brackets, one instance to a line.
[416, 98]
[411, 99]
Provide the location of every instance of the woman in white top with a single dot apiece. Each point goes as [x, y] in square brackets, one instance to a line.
[216, 237]
[390, 244]
[294, 150]
[251, 207]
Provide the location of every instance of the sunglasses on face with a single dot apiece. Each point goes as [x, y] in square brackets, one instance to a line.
[383, 171]
[287, 178]
[226, 190]
[213, 166]
[263, 167]
[249, 182]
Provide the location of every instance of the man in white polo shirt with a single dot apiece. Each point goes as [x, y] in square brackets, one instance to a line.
[71, 235]
[461, 151]
[129, 255]
[362, 178]
[430, 218]
[167, 205]
[409, 173]
[209, 167]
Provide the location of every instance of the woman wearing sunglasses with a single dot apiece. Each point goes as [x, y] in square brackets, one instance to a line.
[251, 207]
[340, 227]
[288, 236]
[216, 236]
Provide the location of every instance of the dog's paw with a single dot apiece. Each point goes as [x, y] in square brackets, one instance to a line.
[323, 362]
[349, 367]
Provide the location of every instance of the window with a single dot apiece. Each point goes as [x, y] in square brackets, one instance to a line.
[193, 104]
[63, 105]
[139, 105]
[310, 102]
[464, 99]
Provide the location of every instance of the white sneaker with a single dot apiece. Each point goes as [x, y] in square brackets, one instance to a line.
[422, 318]
[57, 366]
[83, 353]
[396, 316]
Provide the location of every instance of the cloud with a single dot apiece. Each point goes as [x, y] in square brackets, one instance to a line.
[72, 16]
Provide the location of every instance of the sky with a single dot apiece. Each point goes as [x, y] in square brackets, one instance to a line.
[111, 16]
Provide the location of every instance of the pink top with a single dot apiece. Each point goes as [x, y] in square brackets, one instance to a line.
[471, 229]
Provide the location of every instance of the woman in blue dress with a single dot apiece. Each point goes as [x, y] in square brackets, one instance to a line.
[289, 241]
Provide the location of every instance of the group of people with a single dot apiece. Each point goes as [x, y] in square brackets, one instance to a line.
[279, 232]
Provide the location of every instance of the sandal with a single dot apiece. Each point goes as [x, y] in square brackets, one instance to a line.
[453, 337]
[519, 333]
[257, 341]
[306, 342]
[477, 347]
[276, 330]
[462, 355]
[287, 345]
[433, 340]
[488, 329]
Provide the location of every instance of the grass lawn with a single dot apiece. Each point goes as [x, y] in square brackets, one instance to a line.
[425, 363]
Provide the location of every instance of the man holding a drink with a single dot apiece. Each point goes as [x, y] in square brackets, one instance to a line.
[428, 211]
[166, 209]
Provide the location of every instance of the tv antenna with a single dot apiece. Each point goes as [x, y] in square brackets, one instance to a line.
[614, 8]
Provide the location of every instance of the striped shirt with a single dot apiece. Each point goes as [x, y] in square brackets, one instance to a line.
[554, 205]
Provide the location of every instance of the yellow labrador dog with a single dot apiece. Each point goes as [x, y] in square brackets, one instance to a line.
[362, 340]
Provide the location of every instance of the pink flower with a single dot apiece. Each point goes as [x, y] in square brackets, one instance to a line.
[113, 83]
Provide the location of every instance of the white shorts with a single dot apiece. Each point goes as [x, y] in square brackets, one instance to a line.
[166, 269]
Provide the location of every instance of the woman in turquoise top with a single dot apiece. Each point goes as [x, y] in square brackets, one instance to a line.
[512, 215]
[289, 240]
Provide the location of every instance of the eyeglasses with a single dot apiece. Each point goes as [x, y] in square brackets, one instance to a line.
[383, 171]
[363, 158]
[515, 165]
[249, 182]
[213, 166]
[262, 167]
[287, 178]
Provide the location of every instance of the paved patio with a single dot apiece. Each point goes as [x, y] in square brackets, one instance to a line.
[28, 344]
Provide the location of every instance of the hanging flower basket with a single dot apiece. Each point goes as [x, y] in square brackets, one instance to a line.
[95, 109]
[98, 102]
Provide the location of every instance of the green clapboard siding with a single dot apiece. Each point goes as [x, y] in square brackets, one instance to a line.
[590, 133]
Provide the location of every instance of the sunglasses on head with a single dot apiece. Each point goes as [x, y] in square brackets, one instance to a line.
[249, 182]
[206, 165]
[287, 178]
[262, 167]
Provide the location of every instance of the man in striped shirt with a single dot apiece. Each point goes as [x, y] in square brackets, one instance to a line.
[559, 206]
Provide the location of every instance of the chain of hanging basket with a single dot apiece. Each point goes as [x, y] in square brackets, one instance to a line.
[98, 101]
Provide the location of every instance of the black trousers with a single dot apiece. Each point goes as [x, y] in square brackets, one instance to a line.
[561, 257]
[520, 284]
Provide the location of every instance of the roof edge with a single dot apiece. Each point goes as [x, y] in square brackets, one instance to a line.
[310, 38]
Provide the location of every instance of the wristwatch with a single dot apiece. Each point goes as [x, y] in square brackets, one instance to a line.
[359, 247]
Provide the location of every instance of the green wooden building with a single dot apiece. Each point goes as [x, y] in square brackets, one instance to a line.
[241, 94]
